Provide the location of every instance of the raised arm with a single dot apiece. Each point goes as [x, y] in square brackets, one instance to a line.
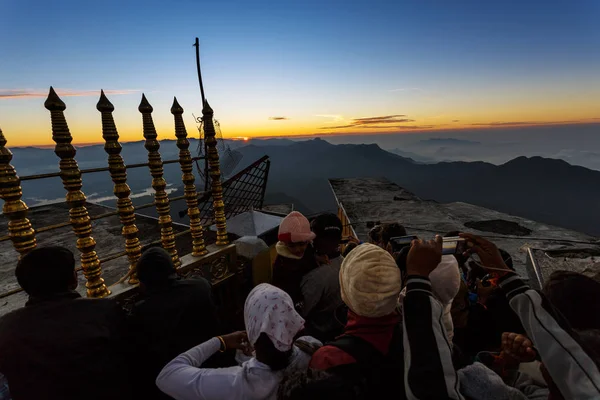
[183, 379]
[428, 373]
[573, 372]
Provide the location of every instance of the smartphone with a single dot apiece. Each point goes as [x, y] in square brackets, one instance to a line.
[400, 242]
[454, 245]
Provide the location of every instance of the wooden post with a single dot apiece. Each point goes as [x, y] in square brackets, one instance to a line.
[191, 195]
[20, 231]
[118, 173]
[78, 214]
[215, 174]
[167, 235]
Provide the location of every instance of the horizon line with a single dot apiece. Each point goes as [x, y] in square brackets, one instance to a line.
[476, 127]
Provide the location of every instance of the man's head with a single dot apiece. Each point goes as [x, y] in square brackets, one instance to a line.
[370, 281]
[45, 271]
[155, 268]
[389, 231]
[328, 231]
[577, 297]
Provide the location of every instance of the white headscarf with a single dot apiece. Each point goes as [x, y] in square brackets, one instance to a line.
[270, 310]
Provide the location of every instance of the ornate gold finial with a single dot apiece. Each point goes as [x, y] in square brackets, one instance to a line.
[191, 196]
[215, 174]
[118, 173]
[19, 228]
[78, 214]
[167, 236]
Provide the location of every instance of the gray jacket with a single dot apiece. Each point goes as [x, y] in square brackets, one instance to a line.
[321, 292]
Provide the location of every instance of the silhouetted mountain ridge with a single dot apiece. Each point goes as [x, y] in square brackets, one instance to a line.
[542, 189]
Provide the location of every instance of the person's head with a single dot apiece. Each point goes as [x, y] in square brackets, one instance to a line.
[370, 281]
[349, 247]
[45, 271]
[271, 323]
[590, 342]
[318, 385]
[375, 234]
[389, 231]
[295, 233]
[576, 296]
[445, 279]
[155, 268]
[328, 231]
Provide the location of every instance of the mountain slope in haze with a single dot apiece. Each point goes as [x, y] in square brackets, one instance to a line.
[546, 190]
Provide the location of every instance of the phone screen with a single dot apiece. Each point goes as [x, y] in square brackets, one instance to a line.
[399, 242]
[453, 245]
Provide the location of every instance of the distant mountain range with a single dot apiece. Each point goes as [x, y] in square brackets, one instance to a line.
[546, 190]
[542, 189]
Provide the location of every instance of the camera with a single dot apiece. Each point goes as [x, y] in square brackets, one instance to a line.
[451, 245]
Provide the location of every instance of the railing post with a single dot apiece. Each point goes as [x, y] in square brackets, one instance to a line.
[78, 214]
[212, 155]
[191, 195]
[20, 231]
[118, 173]
[167, 235]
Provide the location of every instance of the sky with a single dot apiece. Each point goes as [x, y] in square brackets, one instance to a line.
[289, 68]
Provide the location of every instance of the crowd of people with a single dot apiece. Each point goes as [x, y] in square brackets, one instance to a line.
[369, 322]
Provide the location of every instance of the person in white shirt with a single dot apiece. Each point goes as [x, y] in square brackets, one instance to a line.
[271, 324]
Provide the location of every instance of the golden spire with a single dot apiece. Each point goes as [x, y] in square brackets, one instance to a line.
[167, 236]
[215, 174]
[78, 214]
[20, 230]
[118, 173]
[191, 195]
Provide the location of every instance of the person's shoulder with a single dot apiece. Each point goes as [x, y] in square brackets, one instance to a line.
[330, 356]
[198, 283]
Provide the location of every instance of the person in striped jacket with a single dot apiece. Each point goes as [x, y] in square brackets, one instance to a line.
[570, 368]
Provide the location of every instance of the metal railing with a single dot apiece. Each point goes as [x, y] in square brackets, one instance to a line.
[23, 235]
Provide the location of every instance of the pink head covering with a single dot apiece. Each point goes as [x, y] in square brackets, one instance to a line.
[295, 228]
[270, 310]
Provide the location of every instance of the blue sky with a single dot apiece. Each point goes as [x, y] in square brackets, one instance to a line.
[321, 65]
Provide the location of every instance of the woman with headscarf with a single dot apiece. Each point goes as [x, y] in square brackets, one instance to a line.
[271, 325]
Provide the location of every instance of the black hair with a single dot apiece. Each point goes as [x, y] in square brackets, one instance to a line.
[375, 234]
[349, 247]
[155, 267]
[507, 258]
[576, 296]
[46, 270]
[590, 342]
[391, 230]
[327, 225]
[267, 353]
[318, 385]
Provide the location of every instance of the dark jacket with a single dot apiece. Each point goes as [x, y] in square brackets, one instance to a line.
[324, 312]
[168, 321]
[65, 347]
[288, 273]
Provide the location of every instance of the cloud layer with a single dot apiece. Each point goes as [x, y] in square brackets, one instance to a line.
[380, 122]
[278, 118]
[32, 93]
